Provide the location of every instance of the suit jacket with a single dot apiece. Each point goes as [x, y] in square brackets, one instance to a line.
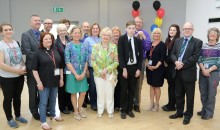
[190, 58]
[30, 45]
[123, 51]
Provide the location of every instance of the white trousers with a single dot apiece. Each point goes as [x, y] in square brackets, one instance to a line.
[105, 95]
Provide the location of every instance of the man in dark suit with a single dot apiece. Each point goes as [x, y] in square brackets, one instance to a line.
[130, 61]
[185, 54]
[30, 44]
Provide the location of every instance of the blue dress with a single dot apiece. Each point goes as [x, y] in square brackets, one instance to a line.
[77, 55]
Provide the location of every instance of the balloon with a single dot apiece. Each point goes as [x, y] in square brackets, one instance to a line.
[135, 13]
[136, 5]
[158, 21]
[156, 5]
[153, 27]
[160, 13]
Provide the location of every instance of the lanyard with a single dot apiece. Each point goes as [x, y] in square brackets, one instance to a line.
[52, 57]
[13, 49]
[151, 50]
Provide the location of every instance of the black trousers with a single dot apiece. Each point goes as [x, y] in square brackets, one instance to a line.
[33, 93]
[128, 89]
[64, 98]
[171, 93]
[117, 94]
[182, 89]
[12, 89]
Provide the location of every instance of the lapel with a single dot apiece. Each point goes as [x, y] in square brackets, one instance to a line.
[33, 36]
[135, 46]
[126, 44]
[179, 46]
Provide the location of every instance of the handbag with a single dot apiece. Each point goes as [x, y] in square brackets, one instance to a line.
[113, 79]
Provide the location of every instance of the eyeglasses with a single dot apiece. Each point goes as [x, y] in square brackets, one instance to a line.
[187, 29]
[48, 23]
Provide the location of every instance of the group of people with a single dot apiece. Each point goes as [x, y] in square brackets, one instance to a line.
[106, 68]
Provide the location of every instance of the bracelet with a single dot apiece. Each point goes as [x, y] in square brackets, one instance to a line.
[39, 84]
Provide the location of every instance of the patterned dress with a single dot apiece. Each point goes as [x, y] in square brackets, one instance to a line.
[77, 55]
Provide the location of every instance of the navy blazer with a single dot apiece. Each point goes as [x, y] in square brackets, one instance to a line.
[123, 51]
[190, 58]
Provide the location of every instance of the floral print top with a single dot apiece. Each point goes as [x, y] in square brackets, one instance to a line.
[102, 58]
[77, 55]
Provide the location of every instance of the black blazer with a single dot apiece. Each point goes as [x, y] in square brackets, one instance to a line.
[123, 51]
[190, 58]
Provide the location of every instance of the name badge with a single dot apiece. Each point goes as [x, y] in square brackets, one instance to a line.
[57, 72]
[150, 62]
[206, 65]
[68, 72]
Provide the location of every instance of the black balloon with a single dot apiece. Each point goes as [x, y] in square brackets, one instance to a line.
[156, 5]
[136, 5]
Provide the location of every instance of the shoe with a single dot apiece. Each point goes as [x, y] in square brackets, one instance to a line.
[84, 105]
[176, 116]
[45, 126]
[36, 116]
[111, 116]
[156, 108]
[77, 116]
[168, 109]
[82, 114]
[21, 119]
[131, 114]
[123, 115]
[200, 113]
[186, 121]
[136, 108]
[12, 124]
[151, 107]
[206, 117]
[48, 114]
[65, 112]
[117, 110]
[56, 118]
[94, 108]
[164, 106]
[99, 115]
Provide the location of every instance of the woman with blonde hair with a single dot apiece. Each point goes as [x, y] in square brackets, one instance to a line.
[104, 62]
[155, 68]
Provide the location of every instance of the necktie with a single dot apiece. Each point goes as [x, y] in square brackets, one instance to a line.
[183, 47]
[37, 35]
[130, 52]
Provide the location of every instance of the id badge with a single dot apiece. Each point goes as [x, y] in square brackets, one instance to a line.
[150, 62]
[206, 65]
[57, 72]
[68, 72]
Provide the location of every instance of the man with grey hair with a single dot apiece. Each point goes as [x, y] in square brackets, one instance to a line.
[30, 41]
[185, 54]
[85, 30]
[48, 24]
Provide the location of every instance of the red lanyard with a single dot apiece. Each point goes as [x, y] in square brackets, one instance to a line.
[52, 58]
[13, 50]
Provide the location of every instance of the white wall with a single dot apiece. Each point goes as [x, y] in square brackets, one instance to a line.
[106, 12]
[198, 12]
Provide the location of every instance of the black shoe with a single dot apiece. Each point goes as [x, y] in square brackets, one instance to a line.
[94, 108]
[206, 117]
[48, 114]
[168, 109]
[200, 113]
[186, 121]
[36, 116]
[123, 115]
[84, 105]
[117, 110]
[176, 116]
[136, 108]
[164, 106]
[65, 112]
[131, 114]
